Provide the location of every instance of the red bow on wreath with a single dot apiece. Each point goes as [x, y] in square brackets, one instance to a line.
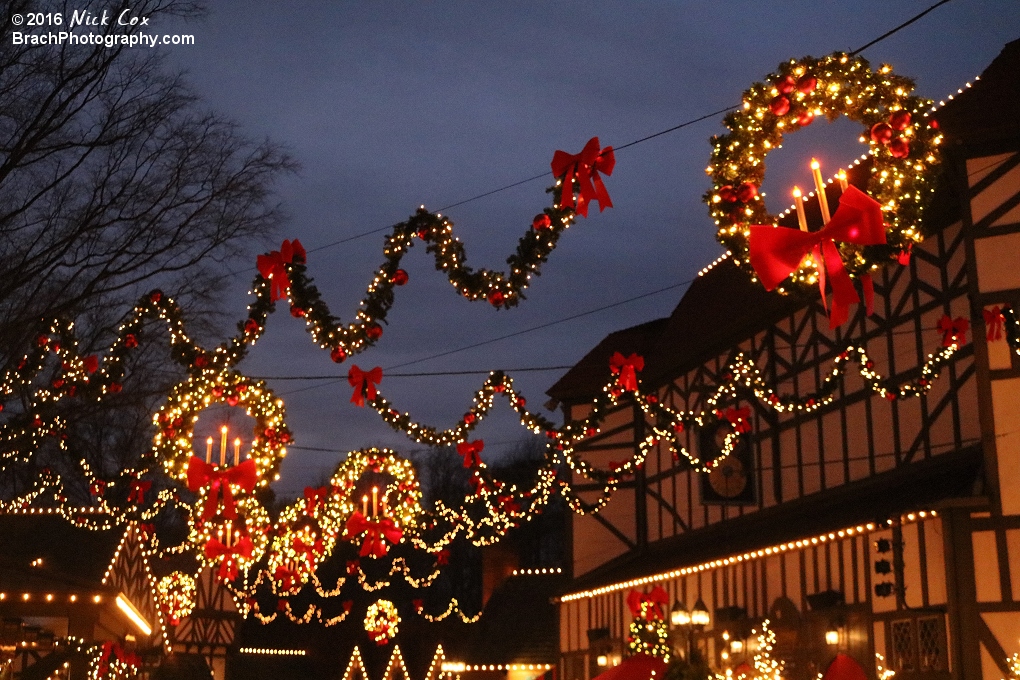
[954, 331]
[585, 168]
[315, 498]
[137, 492]
[231, 555]
[376, 534]
[994, 322]
[739, 418]
[626, 368]
[470, 451]
[111, 648]
[776, 252]
[201, 474]
[274, 267]
[364, 383]
[648, 605]
[311, 550]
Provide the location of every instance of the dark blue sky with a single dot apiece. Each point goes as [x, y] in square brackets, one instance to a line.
[390, 105]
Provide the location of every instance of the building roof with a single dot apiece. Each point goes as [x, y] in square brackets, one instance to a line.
[72, 557]
[988, 111]
[919, 486]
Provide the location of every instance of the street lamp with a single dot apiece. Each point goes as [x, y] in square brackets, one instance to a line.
[699, 615]
[678, 615]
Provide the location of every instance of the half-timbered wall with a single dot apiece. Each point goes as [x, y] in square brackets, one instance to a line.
[857, 436]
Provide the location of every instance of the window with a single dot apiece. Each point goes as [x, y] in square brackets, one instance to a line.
[918, 645]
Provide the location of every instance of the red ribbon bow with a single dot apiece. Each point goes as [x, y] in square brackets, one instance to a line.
[470, 451]
[585, 167]
[273, 267]
[91, 363]
[364, 383]
[994, 321]
[376, 534]
[201, 474]
[311, 551]
[285, 577]
[443, 557]
[954, 331]
[137, 492]
[654, 600]
[626, 368]
[111, 648]
[231, 555]
[739, 418]
[314, 498]
[97, 487]
[776, 252]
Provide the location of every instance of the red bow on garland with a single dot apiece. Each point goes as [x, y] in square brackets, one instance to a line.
[231, 555]
[739, 418]
[470, 451]
[137, 492]
[443, 557]
[111, 648]
[585, 168]
[273, 267]
[776, 252]
[315, 498]
[626, 368]
[994, 321]
[651, 603]
[376, 534]
[364, 383]
[954, 331]
[201, 474]
[97, 487]
[91, 363]
[285, 577]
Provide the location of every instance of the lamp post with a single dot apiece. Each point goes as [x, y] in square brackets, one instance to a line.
[699, 619]
[690, 622]
[680, 620]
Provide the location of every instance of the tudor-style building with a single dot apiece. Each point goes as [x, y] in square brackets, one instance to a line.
[865, 526]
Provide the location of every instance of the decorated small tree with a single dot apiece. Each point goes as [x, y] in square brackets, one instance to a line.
[648, 631]
[766, 667]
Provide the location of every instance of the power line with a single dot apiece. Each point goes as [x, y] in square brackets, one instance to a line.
[485, 371]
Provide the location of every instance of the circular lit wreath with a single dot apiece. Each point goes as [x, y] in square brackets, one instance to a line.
[902, 141]
[173, 443]
[381, 621]
[401, 497]
[177, 592]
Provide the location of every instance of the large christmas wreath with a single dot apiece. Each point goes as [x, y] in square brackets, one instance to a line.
[902, 141]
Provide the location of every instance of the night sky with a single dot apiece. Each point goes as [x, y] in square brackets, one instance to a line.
[390, 105]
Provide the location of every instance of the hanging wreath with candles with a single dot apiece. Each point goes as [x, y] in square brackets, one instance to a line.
[379, 500]
[231, 541]
[381, 621]
[306, 534]
[903, 143]
[173, 442]
[176, 593]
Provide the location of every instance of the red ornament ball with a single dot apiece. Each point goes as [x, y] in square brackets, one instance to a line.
[521, 402]
[496, 298]
[899, 147]
[232, 399]
[780, 105]
[469, 418]
[807, 84]
[155, 296]
[399, 277]
[42, 341]
[787, 85]
[115, 388]
[217, 391]
[251, 326]
[728, 194]
[541, 222]
[747, 192]
[201, 361]
[297, 312]
[423, 234]
[805, 118]
[130, 341]
[900, 120]
[881, 133]
[337, 354]
[373, 331]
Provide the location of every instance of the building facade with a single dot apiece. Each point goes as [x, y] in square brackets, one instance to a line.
[868, 525]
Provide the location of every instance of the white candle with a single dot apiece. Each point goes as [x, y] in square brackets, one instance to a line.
[364, 505]
[230, 525]
[237, 451]
[223, 446]
[375, 501]
[842, 180]
[823, 202]
[208, 450]
[798, 199]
